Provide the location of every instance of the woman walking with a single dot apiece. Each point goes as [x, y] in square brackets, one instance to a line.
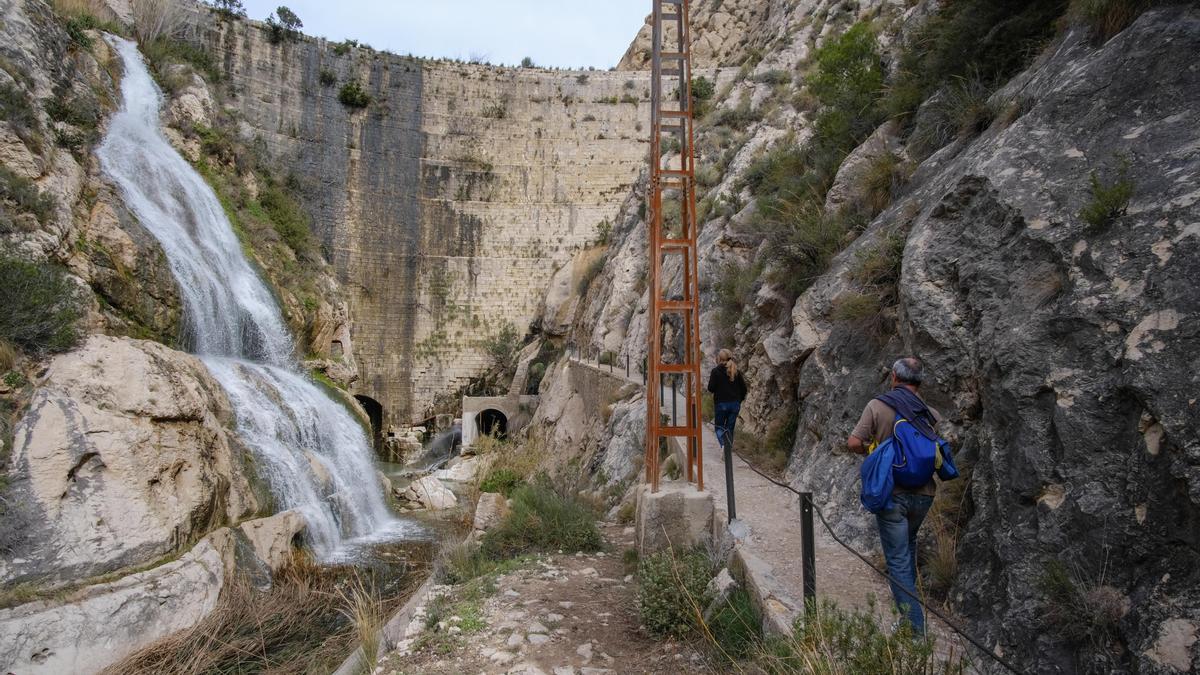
[728, 388]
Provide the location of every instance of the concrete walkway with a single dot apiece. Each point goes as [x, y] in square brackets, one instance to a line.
[772, 515]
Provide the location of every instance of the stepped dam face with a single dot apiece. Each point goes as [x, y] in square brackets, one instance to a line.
[446, 205]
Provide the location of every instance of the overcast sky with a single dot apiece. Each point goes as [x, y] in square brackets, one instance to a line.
[570, 33]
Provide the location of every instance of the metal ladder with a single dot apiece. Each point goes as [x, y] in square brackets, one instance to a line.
[674, 308]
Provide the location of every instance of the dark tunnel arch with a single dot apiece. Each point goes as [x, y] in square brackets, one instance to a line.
[375, 413]
[492, 422]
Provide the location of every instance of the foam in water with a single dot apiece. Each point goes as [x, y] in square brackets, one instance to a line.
[233, 324]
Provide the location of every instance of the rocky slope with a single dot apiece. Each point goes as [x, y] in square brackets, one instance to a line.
[1055, 317]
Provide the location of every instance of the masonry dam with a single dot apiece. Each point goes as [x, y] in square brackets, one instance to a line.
[445, 207]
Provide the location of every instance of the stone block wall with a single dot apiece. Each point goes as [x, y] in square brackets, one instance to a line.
[446, 204]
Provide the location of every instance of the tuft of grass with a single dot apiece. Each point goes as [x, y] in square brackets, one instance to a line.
[8, 356]
[1106, 18]
[672, 591]
[362, 607]
[1081, 608]
[626, 513]
[958, 110]
[17, 109]
[20, 195]
[167, 50]
[884, 177]
[829, 641]
[939, 568]
[352, 95]
[543, 519]
[1110, 200]
[502, 480]
[42, 306]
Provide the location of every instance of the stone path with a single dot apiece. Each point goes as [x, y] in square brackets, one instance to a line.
[560, 614]
[772, 515]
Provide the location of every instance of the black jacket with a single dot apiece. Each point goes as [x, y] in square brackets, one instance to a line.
[723, 389]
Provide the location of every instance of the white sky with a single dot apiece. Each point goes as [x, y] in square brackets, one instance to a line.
[568, 34]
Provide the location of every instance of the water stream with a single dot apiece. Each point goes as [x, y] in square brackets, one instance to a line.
[232, 322]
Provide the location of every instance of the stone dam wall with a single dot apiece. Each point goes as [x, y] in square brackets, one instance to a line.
[448, 202]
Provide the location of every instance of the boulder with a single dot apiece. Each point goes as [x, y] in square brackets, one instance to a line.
[462, 471]
[124, 456]
[429, 493]
[489, 511]
[273, 538]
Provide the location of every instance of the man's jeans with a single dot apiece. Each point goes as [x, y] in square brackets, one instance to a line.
[898, 533]
[725, 419]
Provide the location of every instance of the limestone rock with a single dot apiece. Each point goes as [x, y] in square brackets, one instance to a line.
[192, 104]
[489, 511]
[123, 456]
[429, 493]
[847, 185]
[273, 538]
[463, 471]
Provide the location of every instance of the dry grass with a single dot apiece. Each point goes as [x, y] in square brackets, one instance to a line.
[939, 568]
[8, 356]
[77, 8]
[154, 19]
[310, 620]
[1106, 18]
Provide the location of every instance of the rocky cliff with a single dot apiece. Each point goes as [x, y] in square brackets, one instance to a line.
[1028, 229]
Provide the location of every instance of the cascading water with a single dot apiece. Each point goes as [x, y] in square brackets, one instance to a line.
[233, 324]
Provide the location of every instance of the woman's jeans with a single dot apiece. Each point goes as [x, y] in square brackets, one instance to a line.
[898, 533]
[726, 418]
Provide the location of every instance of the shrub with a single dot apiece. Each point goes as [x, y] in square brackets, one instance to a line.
[855, 307]
[880, 265]
[502, 480]
[229, 8]
[736, 627]
[959, 110]
[352, 95]
[496, 111]
[774, 77]
[590, 273]
[17, 108]
[671, 591]
[1109, 199]
[343, 48]
[543, 519]
[1106, 18]
[283, 24]
[826, 639]
[288, 219]
[739, 118]
[848, 79]
[884, 177]
[993, 39]
[503, 345]
[166, 50]
[42, 306]
[527, 62]
[327, 77]
[21, 195]
[626, 513]
[803, 239]
[582, 78]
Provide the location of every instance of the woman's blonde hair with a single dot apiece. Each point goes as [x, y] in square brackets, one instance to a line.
[725, 357]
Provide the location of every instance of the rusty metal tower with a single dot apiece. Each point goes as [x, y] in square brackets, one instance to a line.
[673, 353]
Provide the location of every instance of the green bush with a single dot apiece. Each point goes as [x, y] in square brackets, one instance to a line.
[1109, 199]
[17, 108]
[343, 48]
[736, 627]
[960, 109]
[20, 195]
[352, 95]
[496, 111]
[827, 640]
[502, 480]
[42, 306]
[848, 80]
[671, 591]
[288, 218]
[503, 346]
[166, 50]
[326, 77]
[543, 519]
[993, 39]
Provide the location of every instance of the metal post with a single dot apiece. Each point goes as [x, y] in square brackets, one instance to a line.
[808, 549]
[627, 366]
[729, 498]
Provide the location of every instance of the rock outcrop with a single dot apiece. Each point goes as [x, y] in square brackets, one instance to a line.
[125, 456]
[429, 493]
[1058, 346]
[84, 629]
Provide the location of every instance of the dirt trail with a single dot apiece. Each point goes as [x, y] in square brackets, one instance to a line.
[556, 614]
[772, 515]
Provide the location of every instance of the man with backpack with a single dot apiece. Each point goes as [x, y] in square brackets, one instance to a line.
[899, 427]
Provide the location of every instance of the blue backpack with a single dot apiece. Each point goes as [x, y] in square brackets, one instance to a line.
[908, 459]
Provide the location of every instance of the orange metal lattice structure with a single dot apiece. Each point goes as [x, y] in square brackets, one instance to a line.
[673, 277]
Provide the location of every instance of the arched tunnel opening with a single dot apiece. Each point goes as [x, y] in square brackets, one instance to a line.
[492, 422]
[375, 414]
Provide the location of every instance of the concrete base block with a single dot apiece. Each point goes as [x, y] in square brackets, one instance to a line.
[678, 516]
[775, 605]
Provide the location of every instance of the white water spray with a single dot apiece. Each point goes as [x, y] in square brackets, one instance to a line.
[233, 324]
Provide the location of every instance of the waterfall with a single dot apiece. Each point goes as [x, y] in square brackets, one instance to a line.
[312, 453]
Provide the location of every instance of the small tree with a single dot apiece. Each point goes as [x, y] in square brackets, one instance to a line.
[283, 24]
[229, 7]
[527, 62]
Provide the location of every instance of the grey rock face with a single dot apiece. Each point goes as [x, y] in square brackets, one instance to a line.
[1062, 353]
